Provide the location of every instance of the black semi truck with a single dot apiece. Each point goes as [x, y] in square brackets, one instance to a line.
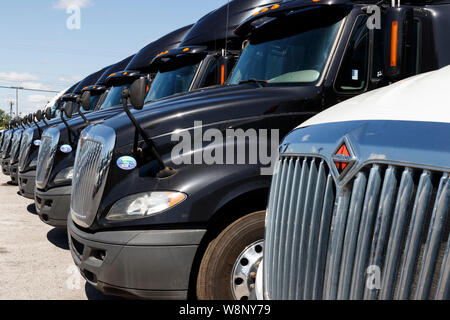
[16, 141]
[194, 61]
[32, 138]
[55, 158]
[23, 168]
[143, 223]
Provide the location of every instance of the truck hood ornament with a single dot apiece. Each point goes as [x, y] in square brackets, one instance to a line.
[344, 157]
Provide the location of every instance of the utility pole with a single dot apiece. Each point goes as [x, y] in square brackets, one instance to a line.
[11, 108]
[17, 95]
[17, 101]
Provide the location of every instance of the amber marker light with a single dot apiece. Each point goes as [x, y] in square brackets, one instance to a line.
[394, 42]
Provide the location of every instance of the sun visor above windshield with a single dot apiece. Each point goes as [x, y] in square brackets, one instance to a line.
[142, 60]
[218, 25]
[119, 66]
[88, 81]
[123, 77]
[285, 9]
[168, 56]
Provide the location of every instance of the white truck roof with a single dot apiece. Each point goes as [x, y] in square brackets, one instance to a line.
[425, 97]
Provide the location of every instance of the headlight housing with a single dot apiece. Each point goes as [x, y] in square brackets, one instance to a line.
[143, 205]
[65, 175]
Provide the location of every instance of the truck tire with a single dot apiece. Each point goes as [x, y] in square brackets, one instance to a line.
[228, 267]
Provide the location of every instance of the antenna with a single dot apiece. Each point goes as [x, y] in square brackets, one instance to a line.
[226, 27]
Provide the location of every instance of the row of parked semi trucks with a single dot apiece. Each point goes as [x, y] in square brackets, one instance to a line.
[359, 201]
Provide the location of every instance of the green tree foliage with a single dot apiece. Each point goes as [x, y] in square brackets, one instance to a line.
[4, 118]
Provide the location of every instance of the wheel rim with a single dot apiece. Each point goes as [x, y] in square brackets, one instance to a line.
[243, 275]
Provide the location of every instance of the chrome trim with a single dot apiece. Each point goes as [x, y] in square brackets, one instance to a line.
[387, 216]
[46, 156]
[92, 161]
[25, 146]
[6, 142]
[15, 144]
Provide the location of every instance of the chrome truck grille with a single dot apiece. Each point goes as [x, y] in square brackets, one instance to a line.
[15, 144]
[5, 144]
[46, 156]
[25, 146]
[91, 168]
[324, 242]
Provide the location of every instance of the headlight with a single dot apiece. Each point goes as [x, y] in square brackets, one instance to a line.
[143, 205]
[64, 175]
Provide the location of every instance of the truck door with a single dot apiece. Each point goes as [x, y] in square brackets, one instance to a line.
[353, 74]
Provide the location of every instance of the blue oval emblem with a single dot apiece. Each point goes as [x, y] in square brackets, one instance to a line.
[126, 163]
[37, 143]
[65, 148]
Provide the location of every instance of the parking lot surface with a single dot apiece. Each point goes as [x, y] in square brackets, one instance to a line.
[35, 261]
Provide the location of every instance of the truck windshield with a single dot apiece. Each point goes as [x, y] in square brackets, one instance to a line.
[174, 78]
[94, 100]
[114, 97]
[296, 56]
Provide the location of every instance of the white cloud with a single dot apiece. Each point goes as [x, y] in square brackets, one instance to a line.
[17, 77]
[39, 98]
[65, 4]
[35, 85]
[70, 79]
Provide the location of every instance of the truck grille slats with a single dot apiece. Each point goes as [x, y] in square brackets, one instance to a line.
[25, 146]
[382, 235]
[5, 144]
[433, 242]
[46, 156]
[396, 237]
[15, 144]
[85, 179]
[92, 160]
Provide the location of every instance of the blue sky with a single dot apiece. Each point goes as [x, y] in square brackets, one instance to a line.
[38, 50]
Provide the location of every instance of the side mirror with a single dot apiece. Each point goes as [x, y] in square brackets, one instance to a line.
[38, 115]
[69, 109]
[398, 37]
[48, 113]
[86, 100]
[138, 92]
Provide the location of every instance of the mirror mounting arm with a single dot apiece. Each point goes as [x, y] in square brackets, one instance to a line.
[68, 127]
[38, 127]
[164, 171]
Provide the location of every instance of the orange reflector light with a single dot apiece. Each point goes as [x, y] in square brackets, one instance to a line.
[185, 49]
[112, 74]
[394, 41]
[275, 6]
[147, 88]
[256, 13]
[125, 73]
[264, 10]
[95, 87]
[222, 74]
[315, 0]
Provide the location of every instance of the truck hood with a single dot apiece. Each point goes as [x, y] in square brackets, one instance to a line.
[220, 107]
[77, 124]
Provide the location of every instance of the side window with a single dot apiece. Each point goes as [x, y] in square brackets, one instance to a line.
[211, 76]
[352, 75]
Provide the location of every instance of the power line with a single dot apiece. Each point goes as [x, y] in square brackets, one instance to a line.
[28, 89]
[24, 89]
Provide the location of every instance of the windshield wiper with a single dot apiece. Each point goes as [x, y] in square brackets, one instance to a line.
[261, 83]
